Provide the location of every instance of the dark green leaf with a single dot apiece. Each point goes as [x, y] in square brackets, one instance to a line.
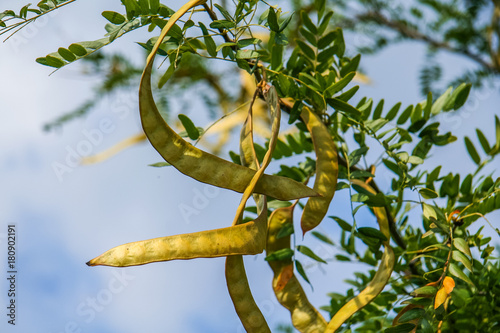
[272, 20]
[411, 314]
[372, 233]
[340, 105]
[405, 115]
[222, 24]
[285, 231]
[191, 129]
[308, 252]
[393, 112]
[472, 150]
[66, 54]
[209, 41]
[282, 254]
[484, 142]
[78, 49]
[114, 17]
[306, 20]
[428, 193]
[306, 49]
[301, 271]
[403, 328]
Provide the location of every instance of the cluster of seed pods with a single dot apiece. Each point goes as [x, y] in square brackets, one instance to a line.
[260, 234]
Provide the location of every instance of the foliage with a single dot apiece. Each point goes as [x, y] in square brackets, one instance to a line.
[428, 270]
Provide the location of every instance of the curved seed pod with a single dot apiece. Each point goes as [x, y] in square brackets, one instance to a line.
[287, 288]
[193, 162]
[381, 277]
[247, 238]
[327, 169]
[237, 283]
[104, 155]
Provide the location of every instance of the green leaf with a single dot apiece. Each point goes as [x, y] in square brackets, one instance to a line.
[114, 17]
[472, 150]
[295, 112]
[484, 142]
[167, 75]
[340, 105]
[340, 84]
[424, 291]
[285, 231]
[247, 54]
[306, 20]
[352, 66]
[282, 254]
[54, 62]
[209, 41]
[308, 252]
[327, 39]
[372, 233]
[286, 22]
[301, 271]
[429, 211]
[456, 271]
[458, 97]
[377, 113]
[242, 43]
[66, 54]
[224, 12]
[78, 49]
[228, 44]
[222, 24]
[322, 237]
[460, 257]
[306, 49]
[191, 129]
[405, 115]
[461, 245]
[427, 193]
[272, 20]
[403, 328]
[411, 315]
[342, 224]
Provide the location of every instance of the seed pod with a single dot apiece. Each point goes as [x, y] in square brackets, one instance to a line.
[193, 162]
[327, 169]
[287, 288]
[380, 279]
[241, 239]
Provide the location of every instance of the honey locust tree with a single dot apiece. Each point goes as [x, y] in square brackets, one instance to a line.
[425, 269]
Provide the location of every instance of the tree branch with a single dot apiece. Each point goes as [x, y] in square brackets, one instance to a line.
[414, 34]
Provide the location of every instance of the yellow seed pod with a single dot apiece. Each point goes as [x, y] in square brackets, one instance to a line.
[193, 162]
[380, 279]
[327, 169]
[241, 239]
[288, 291]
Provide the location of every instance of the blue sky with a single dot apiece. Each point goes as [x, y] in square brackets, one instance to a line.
[63, 224]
